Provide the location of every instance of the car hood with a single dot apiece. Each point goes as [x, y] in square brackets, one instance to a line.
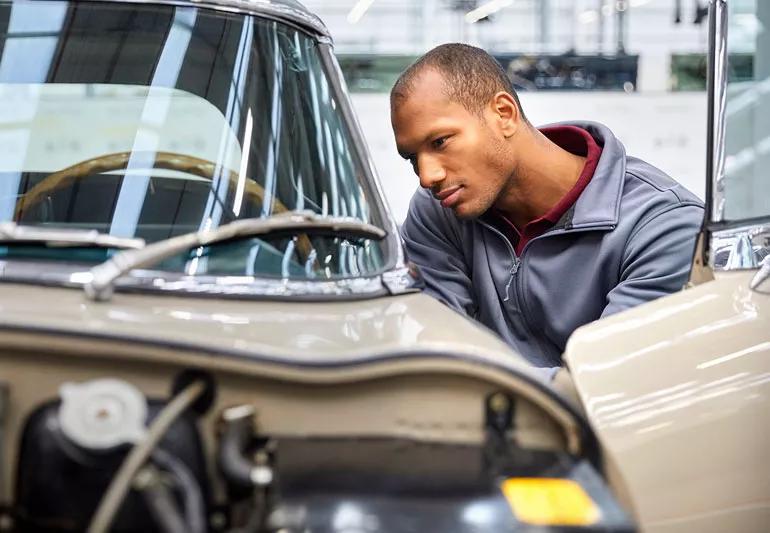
[299, 333]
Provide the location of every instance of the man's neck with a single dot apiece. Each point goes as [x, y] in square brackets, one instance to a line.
[542, 177]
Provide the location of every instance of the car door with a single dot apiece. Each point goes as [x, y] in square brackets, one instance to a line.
[678, 389]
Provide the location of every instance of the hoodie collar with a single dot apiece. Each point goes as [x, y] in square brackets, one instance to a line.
[598, 205]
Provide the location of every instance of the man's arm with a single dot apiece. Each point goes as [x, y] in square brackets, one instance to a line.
[657, 258]
[431, 244]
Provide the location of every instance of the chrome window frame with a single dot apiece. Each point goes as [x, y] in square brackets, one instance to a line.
[372, 183]
[301, 19]
[717, 104]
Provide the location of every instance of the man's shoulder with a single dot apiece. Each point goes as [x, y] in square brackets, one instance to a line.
[654, 203]
[647, 181]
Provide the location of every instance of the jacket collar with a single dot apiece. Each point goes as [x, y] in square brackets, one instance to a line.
[598, 206]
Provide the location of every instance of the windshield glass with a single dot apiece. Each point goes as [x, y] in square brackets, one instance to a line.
[151, 121]
[746, 183]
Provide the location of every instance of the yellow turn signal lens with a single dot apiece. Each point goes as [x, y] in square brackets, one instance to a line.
[550, 502]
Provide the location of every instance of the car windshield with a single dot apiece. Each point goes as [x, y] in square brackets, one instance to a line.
[150, 121]
[746, 182]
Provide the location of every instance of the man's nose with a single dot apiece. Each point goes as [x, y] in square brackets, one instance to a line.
[430, 172]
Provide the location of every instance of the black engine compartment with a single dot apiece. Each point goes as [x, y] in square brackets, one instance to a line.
[59, 484]
[296, 484]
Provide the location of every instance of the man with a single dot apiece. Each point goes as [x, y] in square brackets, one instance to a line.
[531, 232]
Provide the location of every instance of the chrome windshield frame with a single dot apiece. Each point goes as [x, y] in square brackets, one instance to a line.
[300, 19]
[365, 161]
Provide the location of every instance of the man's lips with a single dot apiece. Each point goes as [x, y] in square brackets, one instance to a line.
[449, 196]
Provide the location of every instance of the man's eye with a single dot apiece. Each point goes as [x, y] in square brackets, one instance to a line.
[438, 143]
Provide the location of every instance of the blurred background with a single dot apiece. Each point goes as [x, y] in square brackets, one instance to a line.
[638, 66]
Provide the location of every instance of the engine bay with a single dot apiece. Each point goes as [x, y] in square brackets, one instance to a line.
[101, 436]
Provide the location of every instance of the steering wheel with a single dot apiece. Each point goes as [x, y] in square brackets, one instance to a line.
[165, 160]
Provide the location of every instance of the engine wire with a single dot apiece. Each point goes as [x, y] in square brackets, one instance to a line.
[116, 492]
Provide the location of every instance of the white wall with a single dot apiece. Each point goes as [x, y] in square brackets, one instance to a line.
[666, 129]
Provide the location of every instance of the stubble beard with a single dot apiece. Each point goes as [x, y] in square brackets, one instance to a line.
[501, 176]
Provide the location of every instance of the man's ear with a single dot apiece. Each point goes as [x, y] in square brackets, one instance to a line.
[506, 113]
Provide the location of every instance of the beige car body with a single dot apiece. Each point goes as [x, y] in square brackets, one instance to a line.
[678, 392]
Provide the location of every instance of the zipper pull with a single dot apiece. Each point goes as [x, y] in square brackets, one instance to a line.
[514, 269]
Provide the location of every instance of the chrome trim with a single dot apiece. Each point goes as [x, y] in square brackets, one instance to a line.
[402, 280]
[294, 14]
[718, 105]
[104, 275]
[10, 233]
[41, 273]
[392, 282]
[761, 276]
[377, 193]
[743, 243]
[252, 287]
[154, 281]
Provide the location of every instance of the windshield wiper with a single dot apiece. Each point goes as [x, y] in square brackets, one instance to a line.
[12, 233]
[104, 275]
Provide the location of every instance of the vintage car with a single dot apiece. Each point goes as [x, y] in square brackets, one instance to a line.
[207, 322]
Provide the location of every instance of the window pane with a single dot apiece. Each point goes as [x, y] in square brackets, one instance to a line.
[746, 183]
[152, 121]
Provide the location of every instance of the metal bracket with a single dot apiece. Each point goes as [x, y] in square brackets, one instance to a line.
[498, 413]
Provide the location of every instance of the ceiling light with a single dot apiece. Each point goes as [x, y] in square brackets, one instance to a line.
[485, 10]
[358, 10]
[588, 16]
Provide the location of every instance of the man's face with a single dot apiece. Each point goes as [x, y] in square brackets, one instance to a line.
[458, 155]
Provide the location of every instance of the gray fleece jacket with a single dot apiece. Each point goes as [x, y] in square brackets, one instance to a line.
[627, 240]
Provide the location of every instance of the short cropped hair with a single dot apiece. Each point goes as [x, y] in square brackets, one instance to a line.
[471, 76]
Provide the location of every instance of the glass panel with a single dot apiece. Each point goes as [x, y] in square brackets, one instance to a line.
[746, 183]
[152, 121]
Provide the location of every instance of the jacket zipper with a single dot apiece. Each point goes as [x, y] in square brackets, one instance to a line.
[551, 233]
[515, 261]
